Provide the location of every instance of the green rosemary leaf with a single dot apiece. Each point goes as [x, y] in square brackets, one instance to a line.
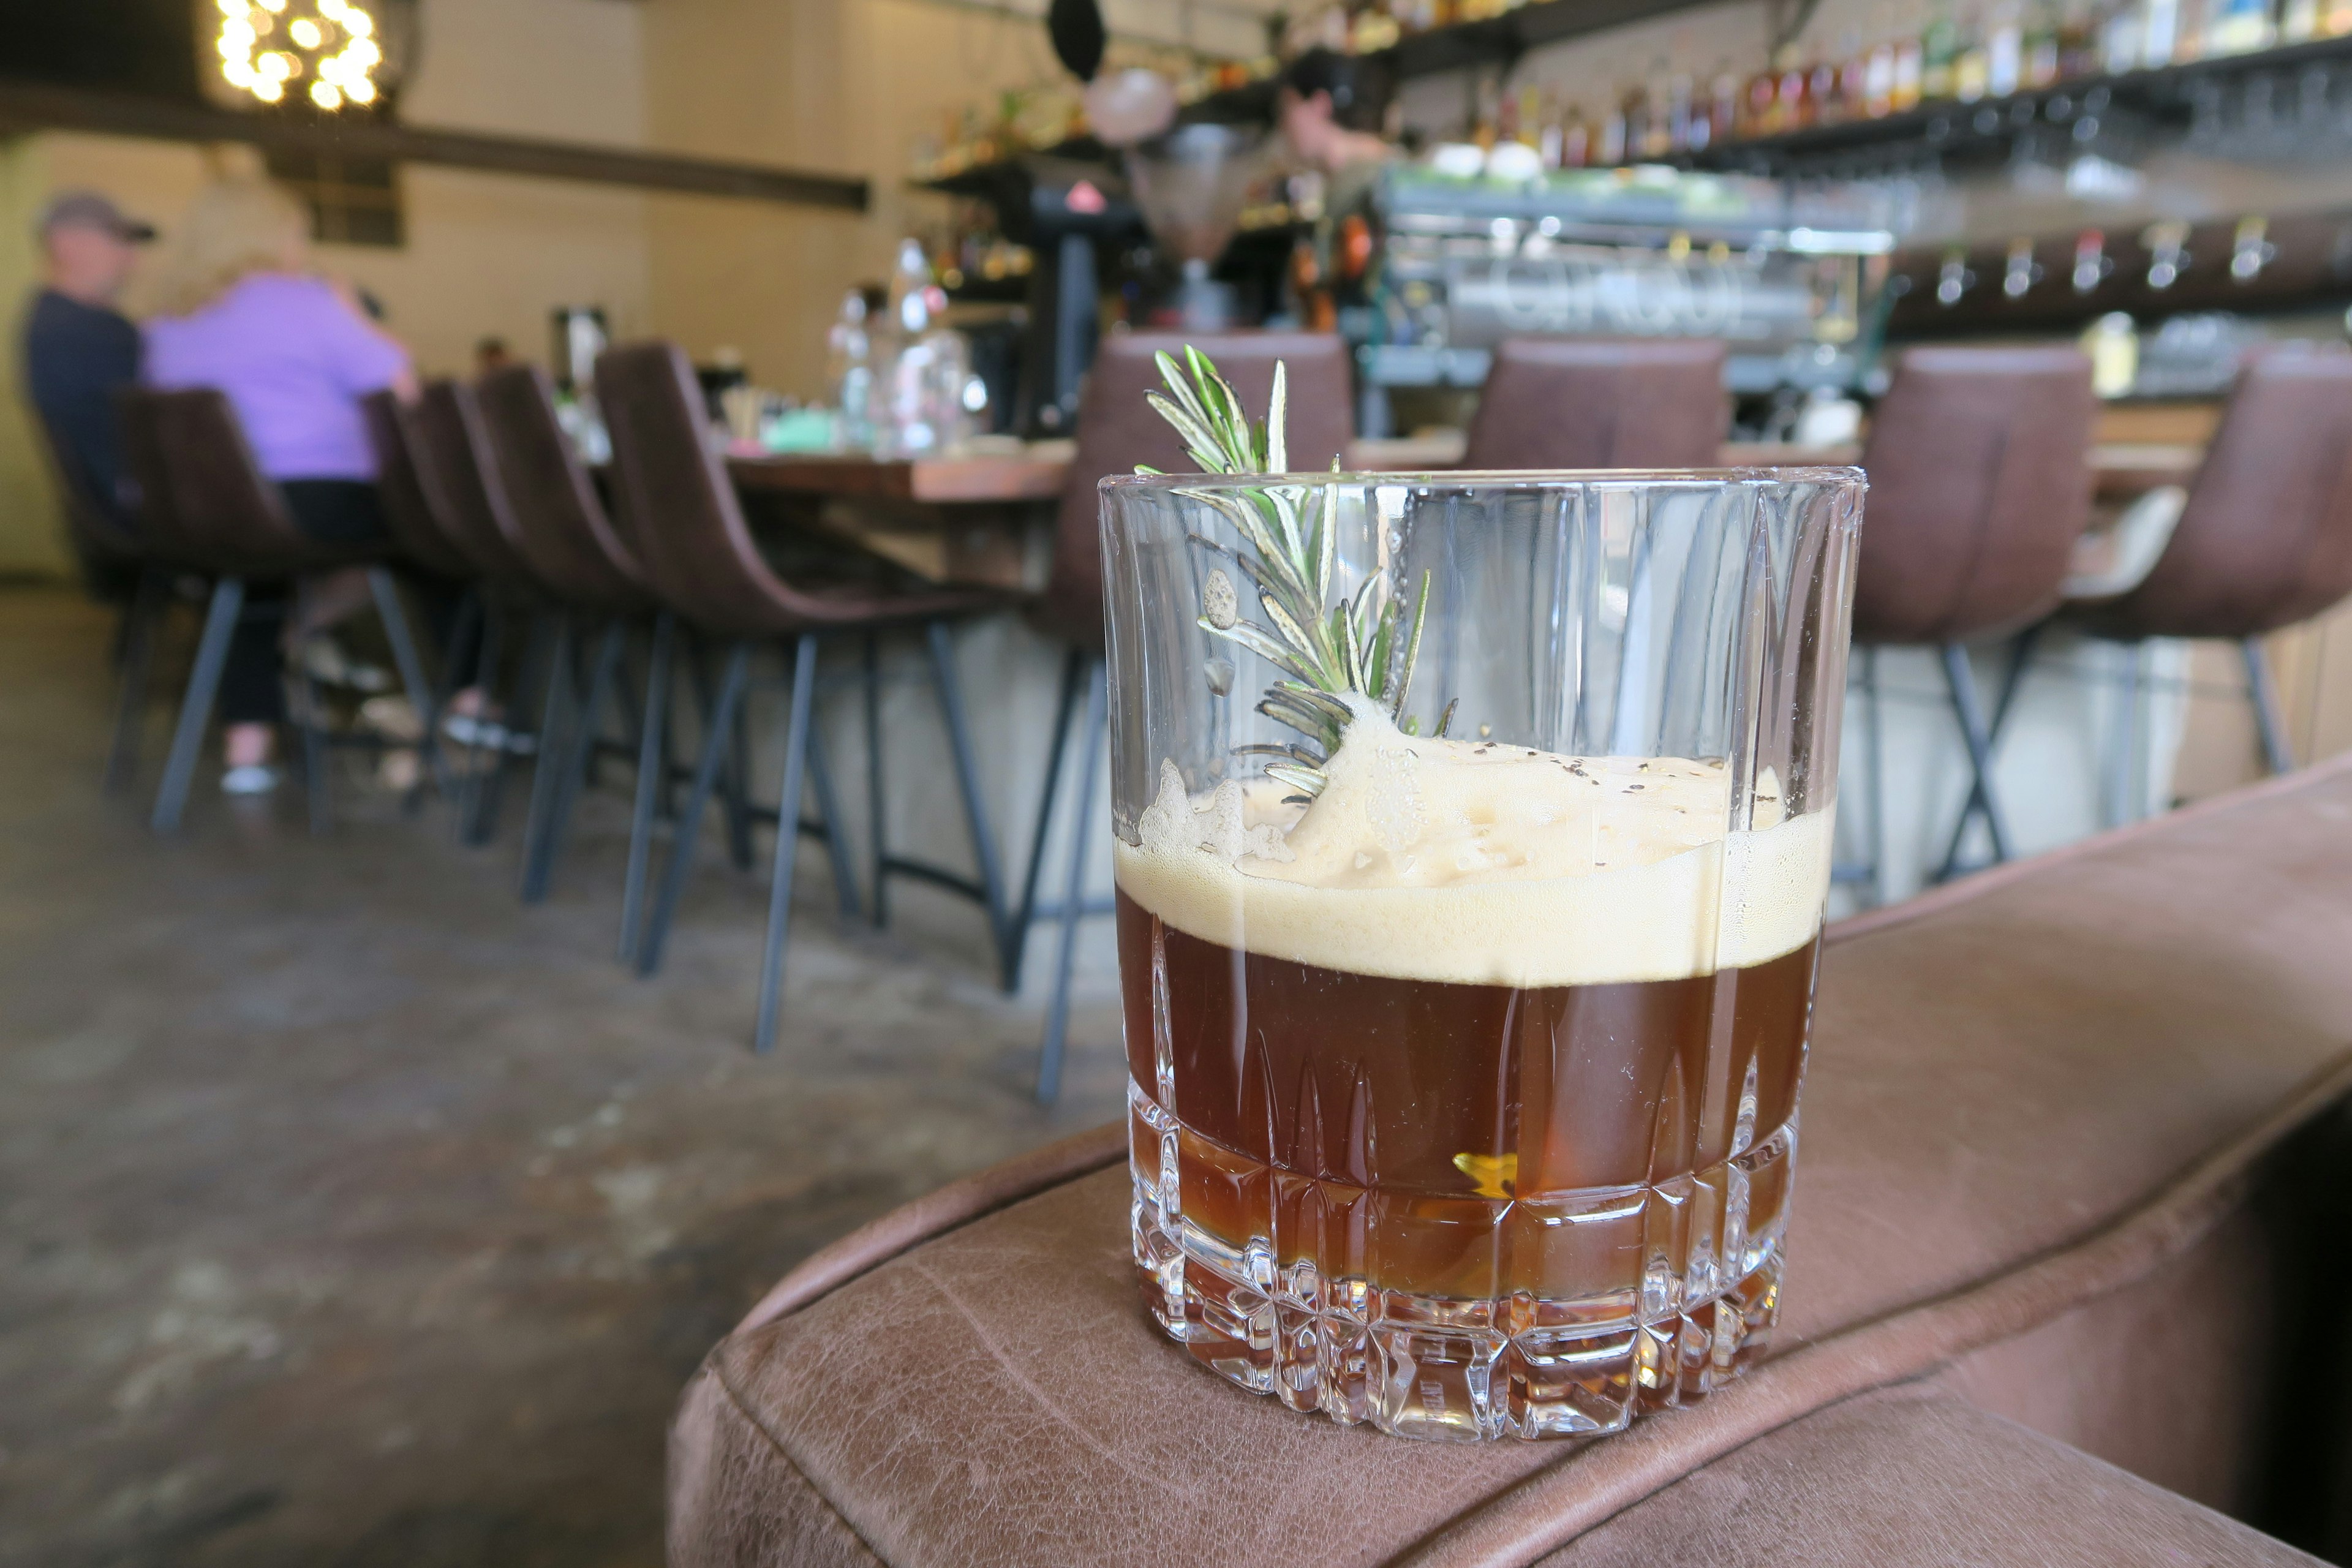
[1411, 651]
[1375, 657]
[1329, 531]
[1277, 408]
[1445, 720]
[1296, 636]
[1198, 444]
[1302, 779]
[1254, 638]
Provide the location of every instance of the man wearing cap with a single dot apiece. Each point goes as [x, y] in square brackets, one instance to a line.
[79, 351]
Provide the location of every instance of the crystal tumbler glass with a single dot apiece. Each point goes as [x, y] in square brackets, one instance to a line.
[1473, 832]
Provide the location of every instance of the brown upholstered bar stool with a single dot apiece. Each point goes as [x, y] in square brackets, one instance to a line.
[452, 453]
[191, 457]
[2265, 539]
[700, 557]
[118, 567]
[1601, 403]
[578, 549]
[1118, 431]
[1980, 484]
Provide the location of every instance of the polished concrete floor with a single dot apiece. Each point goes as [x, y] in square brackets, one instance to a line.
[353, 1213]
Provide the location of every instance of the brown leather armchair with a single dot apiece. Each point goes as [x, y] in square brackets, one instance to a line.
[1118, 432]
[1601, 403]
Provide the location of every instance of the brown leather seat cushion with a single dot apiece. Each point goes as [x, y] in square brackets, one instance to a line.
[2027, 1091]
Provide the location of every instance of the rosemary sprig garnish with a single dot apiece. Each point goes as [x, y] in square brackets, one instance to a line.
[1330, 648]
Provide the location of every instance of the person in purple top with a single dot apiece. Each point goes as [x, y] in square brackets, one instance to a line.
[242, 311]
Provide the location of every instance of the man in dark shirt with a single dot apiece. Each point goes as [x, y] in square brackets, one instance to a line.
[79, 351]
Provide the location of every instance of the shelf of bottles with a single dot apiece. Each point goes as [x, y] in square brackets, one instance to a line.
[1966, 76]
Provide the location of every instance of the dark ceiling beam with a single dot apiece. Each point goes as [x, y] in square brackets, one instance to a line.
[34, 106]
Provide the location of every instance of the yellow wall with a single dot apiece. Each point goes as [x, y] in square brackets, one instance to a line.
[485, 253]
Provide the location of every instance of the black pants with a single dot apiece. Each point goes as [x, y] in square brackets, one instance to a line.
[330, 511]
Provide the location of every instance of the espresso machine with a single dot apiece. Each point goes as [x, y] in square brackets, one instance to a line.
[1792, 279]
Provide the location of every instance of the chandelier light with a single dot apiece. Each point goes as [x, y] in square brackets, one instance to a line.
[325, 49]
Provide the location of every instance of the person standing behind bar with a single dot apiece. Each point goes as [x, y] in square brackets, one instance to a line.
[79, 351]
[294, 353]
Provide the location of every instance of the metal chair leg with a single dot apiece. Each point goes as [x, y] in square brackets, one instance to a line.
[310, 721]
[1057, 1011]
[389, 610]
[547, 768]
[545, 629]
[653, 768]
[196, 704]
[877, 827]
[2268, 720]
[487, 656]
[797, 729]
[135, 654]
[975, 811]
[1074, 668]
[603, 675]
[1969, 711]
[716, 742]
[735, 786]
[2021, 654]
[828, 811]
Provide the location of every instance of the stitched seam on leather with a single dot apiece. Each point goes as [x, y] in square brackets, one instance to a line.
[2000, 877]
[752, 1418]
[1870, 1353]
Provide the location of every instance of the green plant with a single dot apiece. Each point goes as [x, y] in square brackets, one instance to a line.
[1332, 649]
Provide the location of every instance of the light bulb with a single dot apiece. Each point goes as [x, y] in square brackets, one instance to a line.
[268, 90]
[330, 68]
[362, 52]
[332, 9]
[237, 73]
[356, 22]
[305, 32]
[273, 4]
[236, 36]
[274, 66]
[232, 8]
[324, 95]
[362, 91]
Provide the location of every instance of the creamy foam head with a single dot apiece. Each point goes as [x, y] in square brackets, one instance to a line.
[1479, 863]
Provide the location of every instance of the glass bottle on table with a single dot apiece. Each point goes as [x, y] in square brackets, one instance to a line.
[849, 373]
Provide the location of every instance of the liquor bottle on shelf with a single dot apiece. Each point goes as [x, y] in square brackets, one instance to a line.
[1824, 82]
[1910, 70]
[1794, 111]
[2159, 33]
[1940, 55]
[1878, 74]
[1609, 147]
[1759, 109]
[2078, 41]
[2237, 27]
[1971, 61]
[2298, 21]
[2042, 46]
[2335, 17]
[1637, 109]
[2120, 48]
[2005, 50]
[1681, 122]
[1724, 104]
[1575, 140]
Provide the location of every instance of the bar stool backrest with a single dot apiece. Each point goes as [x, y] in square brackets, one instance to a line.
[109, 554]
[1601, 402]
[415, 515]
[1117, 430]
[692, 540]
[187, 449]
[570, 537]
[1980, 484]
[2266, 539]
[453, 453]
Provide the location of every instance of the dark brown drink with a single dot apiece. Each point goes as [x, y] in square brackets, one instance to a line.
[1487, 1134]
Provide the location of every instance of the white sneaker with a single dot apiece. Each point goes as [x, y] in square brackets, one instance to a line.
[250, 778]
